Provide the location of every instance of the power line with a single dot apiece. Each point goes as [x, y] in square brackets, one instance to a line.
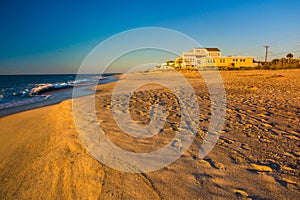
[293, 50]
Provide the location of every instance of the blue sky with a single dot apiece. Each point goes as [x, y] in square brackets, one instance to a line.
[55, 36]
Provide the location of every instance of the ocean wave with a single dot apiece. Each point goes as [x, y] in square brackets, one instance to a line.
[49, 87]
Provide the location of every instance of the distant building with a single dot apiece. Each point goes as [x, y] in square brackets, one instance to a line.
[167, 65]
[178, 62]
[211, 57]
[193, 57]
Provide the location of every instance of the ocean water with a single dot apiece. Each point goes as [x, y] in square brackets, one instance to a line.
[24, 92]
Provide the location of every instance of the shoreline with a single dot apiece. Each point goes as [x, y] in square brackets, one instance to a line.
[57, 96]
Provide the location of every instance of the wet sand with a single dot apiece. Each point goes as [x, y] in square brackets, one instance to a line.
[256, 157]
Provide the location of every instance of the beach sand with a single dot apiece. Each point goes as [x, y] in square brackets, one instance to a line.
[256, 157]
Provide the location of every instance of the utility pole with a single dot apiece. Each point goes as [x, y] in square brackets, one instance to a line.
[266, 56]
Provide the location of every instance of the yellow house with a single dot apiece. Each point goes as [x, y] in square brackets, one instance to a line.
[178, 62]
[226, 62]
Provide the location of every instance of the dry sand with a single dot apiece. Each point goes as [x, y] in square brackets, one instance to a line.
[256, 157]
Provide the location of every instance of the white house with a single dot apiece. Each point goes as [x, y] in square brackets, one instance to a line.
[167, 65]
[193, 57]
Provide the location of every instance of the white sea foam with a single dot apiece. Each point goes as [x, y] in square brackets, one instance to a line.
[21, 102]
[42, 88]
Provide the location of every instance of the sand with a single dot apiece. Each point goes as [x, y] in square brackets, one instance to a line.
[256, 157]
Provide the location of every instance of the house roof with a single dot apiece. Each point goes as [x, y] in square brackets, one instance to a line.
[212, 49]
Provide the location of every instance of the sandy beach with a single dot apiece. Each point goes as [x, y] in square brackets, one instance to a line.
[256, 157]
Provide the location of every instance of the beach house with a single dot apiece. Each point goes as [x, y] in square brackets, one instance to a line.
[225, 62]
[211, 57]
[167, 65]
[194, 56]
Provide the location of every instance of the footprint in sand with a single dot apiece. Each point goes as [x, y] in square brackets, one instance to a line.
[259, 168]
[237, 158]
[214, 164]
[286, 168]
[226, 140]
[285, 181]
[205, 163]
[245, 146]
[241, 194]
[297, 154]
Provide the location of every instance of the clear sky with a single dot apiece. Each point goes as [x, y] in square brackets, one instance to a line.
[55, 36]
